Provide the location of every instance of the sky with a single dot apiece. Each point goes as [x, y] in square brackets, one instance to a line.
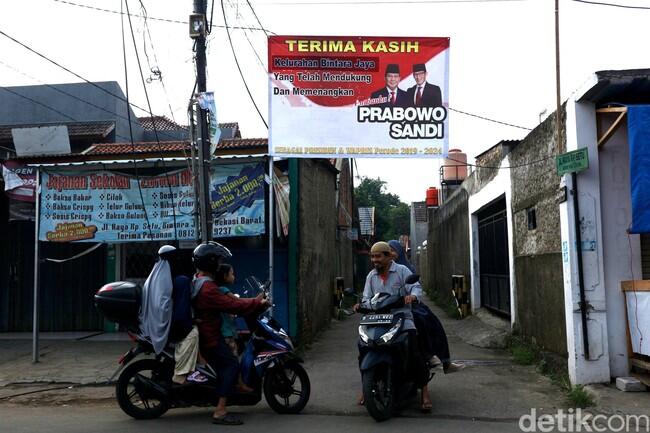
[502, 57]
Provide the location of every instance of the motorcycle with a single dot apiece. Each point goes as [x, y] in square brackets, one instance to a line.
[144, 389]
[384, 360]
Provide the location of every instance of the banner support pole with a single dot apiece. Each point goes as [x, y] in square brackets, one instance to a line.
[271, 226]
[37, 222]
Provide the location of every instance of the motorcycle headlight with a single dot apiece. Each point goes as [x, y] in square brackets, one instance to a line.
[363, 334]
[384, 339]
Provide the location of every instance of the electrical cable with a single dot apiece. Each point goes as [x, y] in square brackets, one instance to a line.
[612, 4]
[155, 130]
[68, 70]
[256, 17]
[139, 16]
[257, 56]
[488, 119]
[135, 164]
[63, 92]
[387, 2]
[157, 72]
[38, 103]
[225, 19]
[211, 16]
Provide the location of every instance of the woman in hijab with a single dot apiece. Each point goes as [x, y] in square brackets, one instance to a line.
[399, 256]
[431, 334]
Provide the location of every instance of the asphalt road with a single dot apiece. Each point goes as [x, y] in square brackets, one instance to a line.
[109, 419]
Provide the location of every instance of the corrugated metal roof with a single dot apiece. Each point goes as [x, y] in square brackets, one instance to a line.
[172, 146]
[94, 129]
[105, 162]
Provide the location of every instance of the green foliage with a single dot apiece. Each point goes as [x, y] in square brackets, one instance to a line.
[523, 355]
[579, 397]
[392, 217]
[522, 352]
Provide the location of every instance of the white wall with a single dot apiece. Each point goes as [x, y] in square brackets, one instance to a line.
[500, 186]
[621, 251]
[594, 368]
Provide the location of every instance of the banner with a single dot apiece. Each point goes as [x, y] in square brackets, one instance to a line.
[341, 97]
[105, 206]
[19, 181]
[206, 102]
[237, 199]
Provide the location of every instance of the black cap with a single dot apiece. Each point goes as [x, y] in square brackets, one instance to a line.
[419, 67]
[392, 68]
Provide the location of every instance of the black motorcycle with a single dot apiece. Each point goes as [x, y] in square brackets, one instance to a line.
[145, 389]
[384, 356]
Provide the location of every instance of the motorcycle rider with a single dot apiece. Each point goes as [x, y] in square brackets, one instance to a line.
[390, 277]
[209, 303]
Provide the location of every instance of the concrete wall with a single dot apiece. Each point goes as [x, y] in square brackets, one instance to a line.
[585, 366]
[621, 252]
[317, 247]
[487, 186]
[344, 246]
[447, 251]
[538, 252]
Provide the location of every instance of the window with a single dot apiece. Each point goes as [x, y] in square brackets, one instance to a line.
[532, 218]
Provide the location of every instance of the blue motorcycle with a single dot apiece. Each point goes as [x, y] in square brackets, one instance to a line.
[144, 389]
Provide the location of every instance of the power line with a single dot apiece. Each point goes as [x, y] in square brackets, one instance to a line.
[387, 2]
[135, 164]
[507, 167]
[108, 92]
[612, 4]
[488, 119]
[39, 103]
[223, 10]
[256, 17]
[257, 56]
[63, 92]
[166, 20]
[157, 71]
[153, 123]
[43, 56]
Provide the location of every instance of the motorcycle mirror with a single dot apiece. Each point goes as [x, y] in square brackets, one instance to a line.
[412, 279]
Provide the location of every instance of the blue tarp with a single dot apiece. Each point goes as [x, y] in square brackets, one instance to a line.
[638, 126]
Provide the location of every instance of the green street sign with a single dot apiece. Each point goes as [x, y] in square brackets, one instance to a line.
[570, 162]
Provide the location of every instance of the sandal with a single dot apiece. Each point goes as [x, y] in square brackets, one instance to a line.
[227, 419]
[197, 377]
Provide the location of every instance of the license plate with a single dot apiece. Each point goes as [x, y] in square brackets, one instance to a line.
[377, 319]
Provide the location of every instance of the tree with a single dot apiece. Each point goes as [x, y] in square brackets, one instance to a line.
[392, 217]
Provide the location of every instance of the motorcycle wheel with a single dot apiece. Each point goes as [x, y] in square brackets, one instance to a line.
[378, 398]
[131, 394]
[287, 388]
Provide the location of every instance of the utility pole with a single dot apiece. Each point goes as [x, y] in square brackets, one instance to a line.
[203, 137]
[558, 97]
